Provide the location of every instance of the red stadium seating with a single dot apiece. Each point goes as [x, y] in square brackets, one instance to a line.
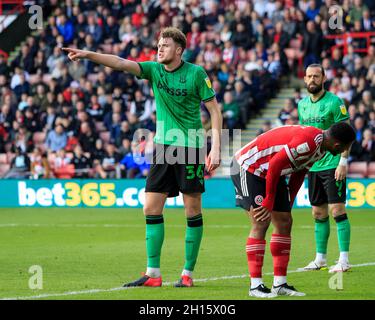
[371, 170]
[357, 169]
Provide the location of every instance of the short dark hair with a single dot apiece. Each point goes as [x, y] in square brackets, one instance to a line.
[316, 65]
[176, 34]
[342, 132]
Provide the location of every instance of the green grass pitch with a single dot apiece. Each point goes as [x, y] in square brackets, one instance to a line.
[90, 253]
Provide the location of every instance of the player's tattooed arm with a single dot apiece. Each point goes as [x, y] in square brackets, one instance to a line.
[108, 60]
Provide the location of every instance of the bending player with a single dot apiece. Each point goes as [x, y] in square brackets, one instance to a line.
[258, 174]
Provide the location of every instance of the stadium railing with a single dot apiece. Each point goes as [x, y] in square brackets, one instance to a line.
[346, 38]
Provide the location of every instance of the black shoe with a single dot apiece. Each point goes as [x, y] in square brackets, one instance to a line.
[261, 291]
[287, 290]
[145, 281]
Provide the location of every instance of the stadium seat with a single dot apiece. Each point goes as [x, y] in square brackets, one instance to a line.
[65, 172]
[105, 136]
[4, 168]
[357, 169]
[3, 158]
[371, 170]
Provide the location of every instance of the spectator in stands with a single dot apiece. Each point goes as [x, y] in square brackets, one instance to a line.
[240, 46]
[4, 69]
[359, 126]
[115, 130]
[231, 112]
[56, 139]
[93, 28]
[31, 122]
[243, 99]
[134, 164]
[81, 163]
[40, 168]
[87, 137]
[65, 28]
[286, 112]
[19, 166]
[109, 167]
[312, 44]
[266, 126]
[6, 117]
[22, 140]
[356, 12]
[124, 148]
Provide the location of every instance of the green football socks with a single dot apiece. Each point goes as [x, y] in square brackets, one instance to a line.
[322, 230]
[343, 232]
[194, 232]
[154, 240]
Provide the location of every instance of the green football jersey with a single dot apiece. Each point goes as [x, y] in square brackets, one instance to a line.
[322, 114]
[178, 95]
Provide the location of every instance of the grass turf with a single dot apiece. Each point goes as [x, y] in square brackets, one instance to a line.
[84, 249]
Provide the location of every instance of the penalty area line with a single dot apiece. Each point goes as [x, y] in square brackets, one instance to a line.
[91, 291]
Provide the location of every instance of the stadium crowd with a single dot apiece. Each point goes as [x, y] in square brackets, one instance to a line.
[77, 119]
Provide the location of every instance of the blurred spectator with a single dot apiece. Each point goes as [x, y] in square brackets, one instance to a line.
[286, 111]
[19, 166]
[246, 48]
[81, 163]
[266, 126]
[312, 44]
[56, 139]
[231, 112]
[40, 168]
[134, 164]
[87, 137]
[108, 167]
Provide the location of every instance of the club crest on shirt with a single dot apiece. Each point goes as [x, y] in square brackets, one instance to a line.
[208, 82]
[303, 148]
[294, 152]
[343, 109]
[258, 200]
[182, 79]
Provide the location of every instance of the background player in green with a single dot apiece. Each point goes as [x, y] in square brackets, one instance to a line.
[327, 177]
[179, 87]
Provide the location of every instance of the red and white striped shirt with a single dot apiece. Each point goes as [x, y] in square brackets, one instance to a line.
[301, 144]
[282, 151]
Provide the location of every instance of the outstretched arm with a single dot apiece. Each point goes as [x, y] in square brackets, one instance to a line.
[108, 60]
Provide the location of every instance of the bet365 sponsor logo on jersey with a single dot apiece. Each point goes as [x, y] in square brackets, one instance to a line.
[172, 91]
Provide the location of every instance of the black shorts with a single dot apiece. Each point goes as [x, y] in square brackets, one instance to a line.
[176, 169]
[323, 188]
[251, 190]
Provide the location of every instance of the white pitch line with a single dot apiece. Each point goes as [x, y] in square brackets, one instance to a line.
[91, 291]
[213, 226]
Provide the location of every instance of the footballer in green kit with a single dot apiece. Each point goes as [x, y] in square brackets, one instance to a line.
[178, 161]
[327, 177]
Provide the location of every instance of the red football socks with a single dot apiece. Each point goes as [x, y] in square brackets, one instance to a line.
[255, 253]
[280, 250]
